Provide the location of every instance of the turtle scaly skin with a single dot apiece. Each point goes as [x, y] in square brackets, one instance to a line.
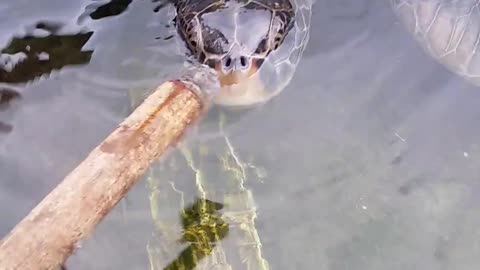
[219, 34]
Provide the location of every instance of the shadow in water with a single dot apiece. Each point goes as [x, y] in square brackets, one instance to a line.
[161, 4]
[7, 96]
[203, 227]
[112, 8]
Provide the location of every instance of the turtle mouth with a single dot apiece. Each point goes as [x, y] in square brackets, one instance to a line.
[236, 76]
[241, 88]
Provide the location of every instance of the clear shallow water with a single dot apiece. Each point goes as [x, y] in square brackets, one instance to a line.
[371, 154]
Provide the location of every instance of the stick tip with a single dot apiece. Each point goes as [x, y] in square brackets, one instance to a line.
[204, 77]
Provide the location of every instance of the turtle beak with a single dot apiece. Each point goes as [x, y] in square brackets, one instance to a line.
[240, 87]
[235, 76]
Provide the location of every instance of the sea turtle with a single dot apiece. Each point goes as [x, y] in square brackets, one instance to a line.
[254, 46]
[448, 30]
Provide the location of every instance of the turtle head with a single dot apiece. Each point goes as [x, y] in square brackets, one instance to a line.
[236, 39]
[244, 51]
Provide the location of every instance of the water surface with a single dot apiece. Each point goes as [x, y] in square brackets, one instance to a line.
[369, 158]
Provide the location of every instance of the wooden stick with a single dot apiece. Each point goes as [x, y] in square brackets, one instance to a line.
[48, 235]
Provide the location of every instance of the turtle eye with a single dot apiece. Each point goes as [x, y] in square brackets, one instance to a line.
[262, 46]
[277, 41]
[278, 31]
[259, 62]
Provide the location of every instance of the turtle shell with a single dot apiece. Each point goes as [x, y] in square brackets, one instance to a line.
[447, 30]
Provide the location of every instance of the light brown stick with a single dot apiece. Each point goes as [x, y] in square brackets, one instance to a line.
[48, 235]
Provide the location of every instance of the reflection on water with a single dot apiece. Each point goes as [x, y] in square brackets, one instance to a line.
[212, 170]
[33, 55]
[29, 57]
[44, 50]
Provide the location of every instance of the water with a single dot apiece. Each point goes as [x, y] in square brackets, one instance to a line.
[369, 159]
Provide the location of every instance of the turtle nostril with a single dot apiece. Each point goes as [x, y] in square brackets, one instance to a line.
[243, 61]
[228, 62]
